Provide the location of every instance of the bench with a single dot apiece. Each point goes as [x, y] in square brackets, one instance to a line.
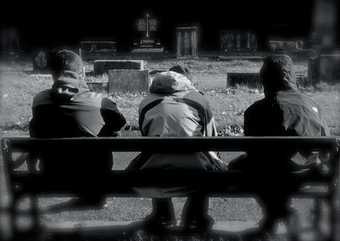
[124, 183]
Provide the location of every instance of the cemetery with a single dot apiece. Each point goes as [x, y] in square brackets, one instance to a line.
[226, 70]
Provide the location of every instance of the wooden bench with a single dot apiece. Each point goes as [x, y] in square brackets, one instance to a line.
[124, 183]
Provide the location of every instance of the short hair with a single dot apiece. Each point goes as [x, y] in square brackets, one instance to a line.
[181, 70]
[277, 73]
[65, 60]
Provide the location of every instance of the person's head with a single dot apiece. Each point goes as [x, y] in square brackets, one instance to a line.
[67, 70]
[181, 70]
[169, 82]
[277, 74]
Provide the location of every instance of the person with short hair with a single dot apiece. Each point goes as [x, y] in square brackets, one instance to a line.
[174, 108]
[70, 109]
[283, 111]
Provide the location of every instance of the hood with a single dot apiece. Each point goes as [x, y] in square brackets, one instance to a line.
[169, 82]
[67, 85]
[277, 74]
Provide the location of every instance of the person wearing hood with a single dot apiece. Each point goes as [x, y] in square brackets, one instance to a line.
[70, 109]
[174, 108]
[284, 111]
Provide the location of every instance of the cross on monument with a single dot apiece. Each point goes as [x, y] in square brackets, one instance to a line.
[147, 25]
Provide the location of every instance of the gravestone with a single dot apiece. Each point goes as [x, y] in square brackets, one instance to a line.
[103, 66]
[92, 50]
[187, 41]
[251, 80]
[10, 46]
[288, 45]
[128, 81]
[147, 43]
[324, 68]
[40, 62]
[232, 41]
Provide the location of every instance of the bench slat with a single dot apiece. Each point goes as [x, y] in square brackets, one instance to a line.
[169, 144]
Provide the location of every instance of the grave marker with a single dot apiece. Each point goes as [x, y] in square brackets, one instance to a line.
[283, 44]
[40, 62]
[238, 41]
[147, 43]
[92, 50]
[324, 68]
[128, 81]
[187, 41]
[251, 80]
[103, 66]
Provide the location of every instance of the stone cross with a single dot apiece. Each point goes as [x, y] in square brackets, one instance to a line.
[147, 25]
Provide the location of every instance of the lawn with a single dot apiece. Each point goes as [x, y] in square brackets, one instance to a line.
[18, 88]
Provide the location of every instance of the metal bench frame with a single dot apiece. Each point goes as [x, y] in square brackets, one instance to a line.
[123, 183]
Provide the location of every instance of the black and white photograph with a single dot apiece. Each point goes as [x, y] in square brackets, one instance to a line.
[170, 120]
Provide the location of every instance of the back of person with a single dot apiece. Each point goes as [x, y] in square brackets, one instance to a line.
[283, 112]
[177, 111]
[174, 108]
[80, 116]
[69, 109]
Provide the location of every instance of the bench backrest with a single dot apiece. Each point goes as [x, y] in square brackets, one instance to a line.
[172, 144]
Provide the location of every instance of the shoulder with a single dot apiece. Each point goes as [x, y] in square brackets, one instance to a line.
[256, 108]
[197, 97]
[42, 98]
[93, 99]
[150, 99]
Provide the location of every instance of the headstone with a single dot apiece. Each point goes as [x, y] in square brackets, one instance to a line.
[187, 41]
[324, 68]
[92, 50]
[251, 80]
[147, 43]
[232, 41]
[102, 66]
[40, 62]
[286, 45]
[10, 43]
[324, 24]
[128, 81]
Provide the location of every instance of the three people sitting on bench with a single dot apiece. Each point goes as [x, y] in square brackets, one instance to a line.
[70, 109]
[174, 107]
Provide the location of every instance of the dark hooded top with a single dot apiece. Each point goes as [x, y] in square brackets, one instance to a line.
[69, 109]
[284, 111]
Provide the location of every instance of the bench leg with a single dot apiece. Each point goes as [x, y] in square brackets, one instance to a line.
[36, 226]
[317, 217]
[334, 204]
[293, 224]
[13, 217]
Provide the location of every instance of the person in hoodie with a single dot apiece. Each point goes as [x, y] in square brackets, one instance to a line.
[174, 108]
[284, 111]
[70, 109]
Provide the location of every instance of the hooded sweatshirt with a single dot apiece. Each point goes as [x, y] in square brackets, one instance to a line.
[69, 109]
[284, 111]
[174, 108]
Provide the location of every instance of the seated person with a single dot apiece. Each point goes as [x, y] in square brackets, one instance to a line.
[284, 111]
[174, 108]
[70, 109]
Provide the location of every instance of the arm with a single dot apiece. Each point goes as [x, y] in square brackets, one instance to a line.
[113, 118]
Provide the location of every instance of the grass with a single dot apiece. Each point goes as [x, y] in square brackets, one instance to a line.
[18, 88]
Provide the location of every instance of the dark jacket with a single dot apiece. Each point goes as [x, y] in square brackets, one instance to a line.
[64, 111]
[283, 112]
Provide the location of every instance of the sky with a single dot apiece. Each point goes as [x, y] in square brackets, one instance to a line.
[48, 23]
